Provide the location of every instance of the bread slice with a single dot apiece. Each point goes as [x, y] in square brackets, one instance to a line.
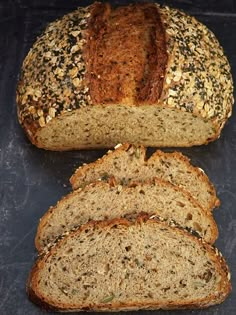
[100, 200]
[122, 265]
[129, 163]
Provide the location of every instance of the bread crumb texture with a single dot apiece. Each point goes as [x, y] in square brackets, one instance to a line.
[101, 201]
[129, 163]
[120, 265]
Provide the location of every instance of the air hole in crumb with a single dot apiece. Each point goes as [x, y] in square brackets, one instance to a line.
[70, 250]
[166, 289]
[191, 262]
[207, 276]
[181, 204]
[128, 248]
[189, 217]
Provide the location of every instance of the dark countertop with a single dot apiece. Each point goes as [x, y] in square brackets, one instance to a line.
[31, 180]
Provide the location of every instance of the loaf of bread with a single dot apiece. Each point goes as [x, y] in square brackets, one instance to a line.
[100, 201]
[141, 73]
[129, 163]
[123, 265]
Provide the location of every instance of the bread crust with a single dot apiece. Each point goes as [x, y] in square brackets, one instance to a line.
[211, 99]
[141, 52]
[215, 202]
[220, 264]
[160, 182]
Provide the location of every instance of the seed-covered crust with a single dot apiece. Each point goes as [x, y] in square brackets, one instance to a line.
[192, 74]
[198, 77]
[52, 77]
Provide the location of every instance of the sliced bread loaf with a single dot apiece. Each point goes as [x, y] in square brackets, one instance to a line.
[122, 265]
[128, 163]
[159, 79]
[99, 201]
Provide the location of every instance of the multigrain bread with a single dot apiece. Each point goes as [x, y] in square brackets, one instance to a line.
[141, 73]
[100, 201]
[129, 163]
[122, 265]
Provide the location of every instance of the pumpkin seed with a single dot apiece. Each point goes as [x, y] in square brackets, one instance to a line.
[108, 298]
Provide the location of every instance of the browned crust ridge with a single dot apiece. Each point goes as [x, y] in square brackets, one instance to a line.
[126, 54]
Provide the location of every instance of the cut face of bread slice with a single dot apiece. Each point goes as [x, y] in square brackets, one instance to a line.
[104, 126]
[99, 201]
[119, 265]
[128, 163]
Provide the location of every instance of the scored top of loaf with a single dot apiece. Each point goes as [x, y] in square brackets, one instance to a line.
[192, 75]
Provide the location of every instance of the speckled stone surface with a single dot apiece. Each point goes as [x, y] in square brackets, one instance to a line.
[31, 180]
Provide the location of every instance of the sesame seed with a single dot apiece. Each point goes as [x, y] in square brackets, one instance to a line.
[118, 146]
[48, 118]
[168, 80]
[52, 112]
[42, 121]
[40, 112]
